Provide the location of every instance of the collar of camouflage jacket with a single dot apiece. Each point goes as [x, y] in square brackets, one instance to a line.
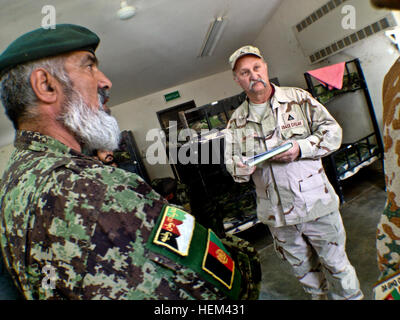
[279, 96]
[36, 141]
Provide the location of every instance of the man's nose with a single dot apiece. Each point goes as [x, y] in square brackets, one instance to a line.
[103, 81]
[254, 76]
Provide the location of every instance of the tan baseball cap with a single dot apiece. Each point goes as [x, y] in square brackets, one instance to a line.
[242, 52]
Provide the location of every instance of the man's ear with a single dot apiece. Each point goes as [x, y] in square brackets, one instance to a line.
[45, 86]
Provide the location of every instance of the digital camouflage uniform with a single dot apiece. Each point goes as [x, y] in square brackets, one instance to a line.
[90, 224]
[296, 199]
[388, 232]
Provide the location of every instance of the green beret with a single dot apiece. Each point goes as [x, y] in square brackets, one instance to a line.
[42, 43]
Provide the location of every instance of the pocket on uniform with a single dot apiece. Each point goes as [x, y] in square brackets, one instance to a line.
[267, 202]
[311, 183]
[313, 189]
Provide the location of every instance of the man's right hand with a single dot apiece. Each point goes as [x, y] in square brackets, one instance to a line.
[244, 170]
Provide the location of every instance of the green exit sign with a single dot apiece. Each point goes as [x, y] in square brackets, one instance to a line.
[172, 96]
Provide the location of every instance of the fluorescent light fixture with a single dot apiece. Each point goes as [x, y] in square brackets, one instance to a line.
[213, 35]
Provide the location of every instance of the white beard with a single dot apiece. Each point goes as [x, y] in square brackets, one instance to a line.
[95, 129]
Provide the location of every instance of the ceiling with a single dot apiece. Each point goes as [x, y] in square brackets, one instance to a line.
[156, 49]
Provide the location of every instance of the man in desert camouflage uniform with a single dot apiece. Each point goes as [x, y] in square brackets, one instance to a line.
[74, 228]
[294, 196]
[388, 231]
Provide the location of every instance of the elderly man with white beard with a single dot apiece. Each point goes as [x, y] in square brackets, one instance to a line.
[74, 228]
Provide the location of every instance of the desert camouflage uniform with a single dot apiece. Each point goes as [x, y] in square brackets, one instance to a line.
[290, 195]
[89, 223]
[388, 232]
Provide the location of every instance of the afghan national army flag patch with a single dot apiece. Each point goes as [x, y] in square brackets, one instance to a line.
[175, 230]
[388, 289]
[217, 261]
[180, 239]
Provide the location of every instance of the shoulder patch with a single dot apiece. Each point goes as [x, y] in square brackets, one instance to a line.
[217, 261]
[175, 230]
[178, 237]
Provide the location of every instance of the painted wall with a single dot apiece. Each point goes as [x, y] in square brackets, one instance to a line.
[287, 62]
[140, 115]
[5, 153]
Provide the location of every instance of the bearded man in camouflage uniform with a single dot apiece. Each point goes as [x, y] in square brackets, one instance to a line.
[74, 228]
[294, 197]
[388, 231]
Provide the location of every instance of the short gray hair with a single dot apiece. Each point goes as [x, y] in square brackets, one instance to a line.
[16, 92]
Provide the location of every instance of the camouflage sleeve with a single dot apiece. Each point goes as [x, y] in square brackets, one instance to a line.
[388, 230]
[93, 236]
[249, 265]
[388, 240]
[326, 133]
[233, 154]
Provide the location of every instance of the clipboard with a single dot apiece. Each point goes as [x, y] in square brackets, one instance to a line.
[252, 161]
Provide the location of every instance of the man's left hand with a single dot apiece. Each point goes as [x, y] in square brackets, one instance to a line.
[289, 156]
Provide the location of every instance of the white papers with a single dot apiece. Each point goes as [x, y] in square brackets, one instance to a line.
[252, 161]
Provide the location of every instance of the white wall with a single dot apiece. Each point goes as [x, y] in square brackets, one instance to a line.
[287, 62]
[140, 115]
[5, 153]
